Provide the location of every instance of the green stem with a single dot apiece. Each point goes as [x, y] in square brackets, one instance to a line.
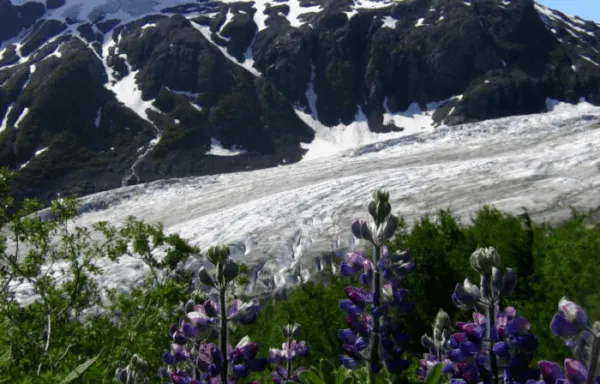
[593, 362]
[374, 360]
[223, 344]
[490, 313]
[289, 362]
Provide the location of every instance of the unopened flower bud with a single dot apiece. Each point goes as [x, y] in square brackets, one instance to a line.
[218, 254]
[210, 309]
[189, 306]
[466, 295]
[442, 321]
[291, 330]
[427, 341]
[390, 228]
[205, 277]
[497, 281]
[121, 375]
[483, 259]
[509, 282]
[231, 270]
[361, 230]
[380, 208]
[573, 313]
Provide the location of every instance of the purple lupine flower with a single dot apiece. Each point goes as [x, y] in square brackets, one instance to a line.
[243, 358]
[575, 373]
[570, 320]
[356, 338]
[283, 358]
[465, 358]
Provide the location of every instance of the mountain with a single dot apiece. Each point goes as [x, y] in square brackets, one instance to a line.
[99, 94]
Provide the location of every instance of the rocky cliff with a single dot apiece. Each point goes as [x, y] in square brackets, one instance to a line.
[97, 94]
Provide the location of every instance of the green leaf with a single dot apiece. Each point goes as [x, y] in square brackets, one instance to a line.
[434, 376]
[327, 370]
[6, 357]
[310, 377]
[77, 372]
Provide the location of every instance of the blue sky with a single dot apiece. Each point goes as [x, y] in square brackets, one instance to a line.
[586, 9]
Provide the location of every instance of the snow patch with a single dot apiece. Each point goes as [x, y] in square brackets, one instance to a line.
[98, 117]
[37, 153]
[5, 118]
[21, 117]
[389, 22]
[296, 11]
[228, 18]
[205, 31]
[590, 60]
[217, 149]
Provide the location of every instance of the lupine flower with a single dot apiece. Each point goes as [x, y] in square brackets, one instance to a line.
[243, 358]
[289, 352]
[570, 320]
[356, 338]
[284, 358]
[575, 373]
[192, 358]
[483, 259]
[207, 360]
[462, 353]
[134, 373]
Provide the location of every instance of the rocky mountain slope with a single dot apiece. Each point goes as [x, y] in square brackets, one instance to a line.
[96, 94]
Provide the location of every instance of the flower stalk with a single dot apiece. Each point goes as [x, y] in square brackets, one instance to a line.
[376, 319]
[375, 335]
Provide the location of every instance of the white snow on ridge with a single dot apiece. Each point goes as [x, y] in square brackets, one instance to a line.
[5, 118]
[389, 22]
[205, 31]
[37, 153]
[217, 149]
[21, 117]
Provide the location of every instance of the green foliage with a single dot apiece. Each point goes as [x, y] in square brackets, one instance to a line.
[434, 375]
[49, 339]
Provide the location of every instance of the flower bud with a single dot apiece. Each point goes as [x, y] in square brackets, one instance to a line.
[442, 321]
[427, 341]
[205, 277]
[497, 281]
[401, 264]
[210, 309]
[189, 306]
[390, 228]
[121, 375]
[466, 295]
[573, 313]
[291, 330]
[231, 270]
[361, 230]
[509, 282]
[199, 297]
[218, 254]
[380, 208]
[483, 259]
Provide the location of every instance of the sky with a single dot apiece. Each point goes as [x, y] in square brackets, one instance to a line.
[586, 9]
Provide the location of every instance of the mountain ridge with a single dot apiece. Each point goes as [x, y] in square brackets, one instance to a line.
[116, 93]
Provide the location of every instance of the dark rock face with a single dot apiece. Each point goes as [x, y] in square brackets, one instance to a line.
[92, 102]
[14, 18]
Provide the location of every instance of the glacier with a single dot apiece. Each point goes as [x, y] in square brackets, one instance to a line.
[283, 220]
